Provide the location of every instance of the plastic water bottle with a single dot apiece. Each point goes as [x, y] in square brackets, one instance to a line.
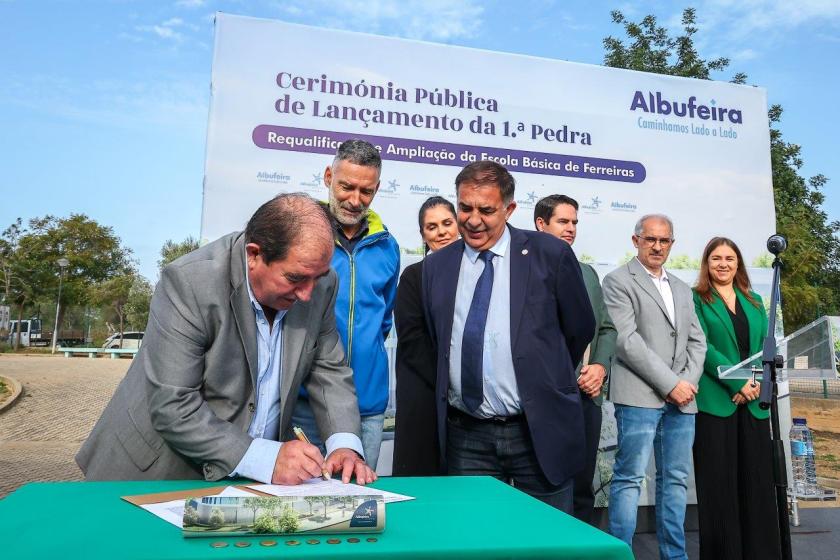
[802, 459]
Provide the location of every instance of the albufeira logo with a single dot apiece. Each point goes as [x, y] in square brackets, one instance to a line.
[423, 189]
[273, 177]
[623, 206]
[366, 515]
[654, 103]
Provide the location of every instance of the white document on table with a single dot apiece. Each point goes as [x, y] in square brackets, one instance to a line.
[333, 487]
[173, 511]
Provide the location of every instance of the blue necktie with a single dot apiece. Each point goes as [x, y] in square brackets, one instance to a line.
[472, 345]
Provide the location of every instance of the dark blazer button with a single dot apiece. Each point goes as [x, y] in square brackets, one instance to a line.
[673, 334]
[251, 407]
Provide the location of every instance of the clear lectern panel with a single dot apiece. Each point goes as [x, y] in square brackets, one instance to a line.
[809, 353]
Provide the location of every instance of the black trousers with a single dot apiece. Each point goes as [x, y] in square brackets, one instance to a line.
[736, 501]
[584, 497]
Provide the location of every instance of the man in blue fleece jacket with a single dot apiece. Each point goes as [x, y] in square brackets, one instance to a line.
[367, 261]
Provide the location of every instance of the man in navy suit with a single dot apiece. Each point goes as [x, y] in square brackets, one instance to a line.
[510, 318]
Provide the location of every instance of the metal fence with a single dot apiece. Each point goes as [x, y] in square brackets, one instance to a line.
[815, 388]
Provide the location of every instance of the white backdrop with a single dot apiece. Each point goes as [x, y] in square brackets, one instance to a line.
[710, 184]
[622, 143]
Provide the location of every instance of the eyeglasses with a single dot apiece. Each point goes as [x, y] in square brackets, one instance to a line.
[651, 241]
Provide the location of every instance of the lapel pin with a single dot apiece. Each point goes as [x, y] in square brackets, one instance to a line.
[524, 251]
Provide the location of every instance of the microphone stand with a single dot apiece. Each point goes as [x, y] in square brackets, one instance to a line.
[770, 399]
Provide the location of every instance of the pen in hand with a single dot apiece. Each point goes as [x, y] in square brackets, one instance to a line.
[325, 474]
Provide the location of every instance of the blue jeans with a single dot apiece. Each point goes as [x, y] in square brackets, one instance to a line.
[371, 431]
[670, 433]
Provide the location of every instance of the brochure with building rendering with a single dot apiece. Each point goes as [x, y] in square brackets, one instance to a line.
[215, 516]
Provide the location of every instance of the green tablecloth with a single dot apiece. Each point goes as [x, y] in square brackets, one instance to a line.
[456, 517]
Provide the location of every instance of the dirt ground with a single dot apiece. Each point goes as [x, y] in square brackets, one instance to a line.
[823, 417]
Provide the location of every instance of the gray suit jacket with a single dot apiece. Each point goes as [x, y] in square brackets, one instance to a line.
[185, 405]
[652, 354]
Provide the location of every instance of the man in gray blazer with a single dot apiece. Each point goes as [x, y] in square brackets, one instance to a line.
[235, 328]
[659, 357]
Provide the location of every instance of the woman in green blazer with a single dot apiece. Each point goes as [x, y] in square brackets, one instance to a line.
[732, 449]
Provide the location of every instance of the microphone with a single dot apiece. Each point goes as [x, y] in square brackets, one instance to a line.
[776, 244]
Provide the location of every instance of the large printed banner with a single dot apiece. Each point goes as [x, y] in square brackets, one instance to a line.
[622, 143]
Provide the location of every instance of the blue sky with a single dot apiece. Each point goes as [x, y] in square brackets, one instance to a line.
[103, 104]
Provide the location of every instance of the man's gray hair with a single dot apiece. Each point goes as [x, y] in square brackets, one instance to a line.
[661, 217]
[358, 152]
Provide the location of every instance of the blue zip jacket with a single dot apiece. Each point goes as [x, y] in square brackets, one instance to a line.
[367, 289]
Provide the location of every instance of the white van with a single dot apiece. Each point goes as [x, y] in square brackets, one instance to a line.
[129, 340]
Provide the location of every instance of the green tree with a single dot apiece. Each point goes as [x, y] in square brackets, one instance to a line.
[811, 275]
[171, 250]
[811, 278]
[325, 500]
[288, 522]
[15, 274]
[311, 501]
[683, 262]
[347, 504]
[269, 504]
[266, 523]
[253, 504]
[763, 261]
[9, 258]
[190, 516]
[217, 518]
[419, 250]
[94, 253]
[628, 256]
[137, 306]
[653, 50]
[114, 293]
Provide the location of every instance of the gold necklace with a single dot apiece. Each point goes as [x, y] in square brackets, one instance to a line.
[728, 299]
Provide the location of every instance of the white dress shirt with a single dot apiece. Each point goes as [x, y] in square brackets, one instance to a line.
[663, 286]
[260, 457]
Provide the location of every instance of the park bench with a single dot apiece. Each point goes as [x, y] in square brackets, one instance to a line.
[92, 352]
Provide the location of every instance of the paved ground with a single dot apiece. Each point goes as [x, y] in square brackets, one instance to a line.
[817, 538]
[62, 399]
